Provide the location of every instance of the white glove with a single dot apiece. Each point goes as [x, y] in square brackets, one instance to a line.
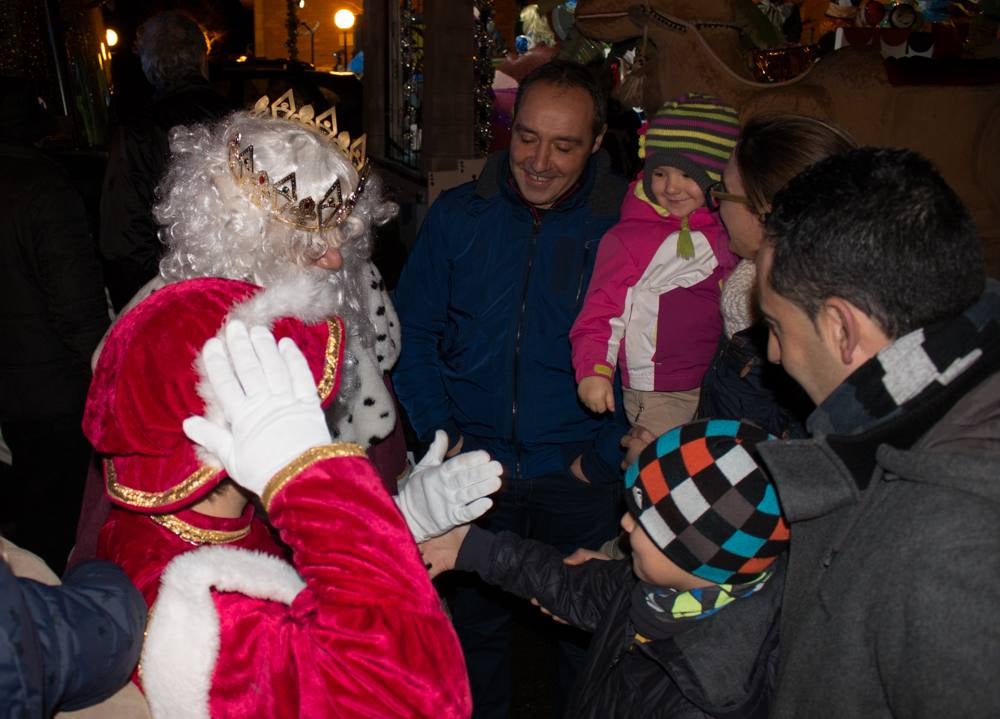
[438, 497]
[270, 403]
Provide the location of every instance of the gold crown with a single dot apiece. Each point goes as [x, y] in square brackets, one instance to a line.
[281, 198]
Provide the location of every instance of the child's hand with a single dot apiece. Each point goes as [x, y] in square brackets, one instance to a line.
[596, 394]
[637, 439]
[546, 612]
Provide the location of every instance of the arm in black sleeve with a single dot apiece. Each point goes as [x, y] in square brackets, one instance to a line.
[526, 568]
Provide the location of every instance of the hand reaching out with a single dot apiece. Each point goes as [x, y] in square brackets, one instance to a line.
[440, 494]
[637, 439]
[441, 552]
[581, 556]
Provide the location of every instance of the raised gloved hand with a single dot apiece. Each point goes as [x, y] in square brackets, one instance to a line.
[437, 497]
[269, 399]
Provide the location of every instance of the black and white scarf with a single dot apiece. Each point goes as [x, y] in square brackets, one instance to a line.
[924, 368]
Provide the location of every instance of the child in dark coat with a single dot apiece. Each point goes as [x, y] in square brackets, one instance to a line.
[686, 627]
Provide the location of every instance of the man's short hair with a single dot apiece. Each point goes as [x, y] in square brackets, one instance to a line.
[172, 47]
[567, 74]
[881, 229]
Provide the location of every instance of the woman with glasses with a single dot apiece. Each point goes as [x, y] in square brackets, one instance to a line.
[740, 383]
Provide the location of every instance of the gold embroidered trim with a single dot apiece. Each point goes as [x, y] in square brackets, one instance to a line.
[139, 498]
[331, 360]
[307, 459]
[197, 535]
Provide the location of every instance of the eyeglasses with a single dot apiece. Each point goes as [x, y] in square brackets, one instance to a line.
[717, 193]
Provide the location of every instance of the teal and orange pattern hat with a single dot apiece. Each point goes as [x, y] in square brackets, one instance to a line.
[694, 133]
[705, 501]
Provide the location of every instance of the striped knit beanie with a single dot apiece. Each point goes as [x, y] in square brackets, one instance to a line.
[706, 503]
[695, 134]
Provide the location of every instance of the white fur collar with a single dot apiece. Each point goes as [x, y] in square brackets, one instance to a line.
[299, 296]
[182, 638]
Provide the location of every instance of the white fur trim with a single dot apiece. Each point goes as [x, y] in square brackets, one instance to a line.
[182, 638]
[370, 409]
[386, 324]
[299, 296]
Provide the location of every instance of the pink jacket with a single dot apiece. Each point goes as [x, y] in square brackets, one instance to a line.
[651, 312]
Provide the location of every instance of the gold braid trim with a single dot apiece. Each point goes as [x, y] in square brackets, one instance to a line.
[139, 498]
[331, 361]
[303, 462]
[197, 535]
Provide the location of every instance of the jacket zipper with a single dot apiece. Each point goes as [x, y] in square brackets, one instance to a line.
[536, 222]
[583, 271]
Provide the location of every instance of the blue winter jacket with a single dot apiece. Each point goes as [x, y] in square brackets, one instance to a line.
[68, 646]
[486, 302]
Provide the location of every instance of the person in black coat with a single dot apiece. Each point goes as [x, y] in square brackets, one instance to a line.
[688, 626]
[173, 50]
[53, 312]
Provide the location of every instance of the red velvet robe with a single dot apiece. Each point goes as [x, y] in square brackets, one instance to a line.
[352, 628]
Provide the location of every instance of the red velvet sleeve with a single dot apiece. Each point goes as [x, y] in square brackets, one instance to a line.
[366, 637]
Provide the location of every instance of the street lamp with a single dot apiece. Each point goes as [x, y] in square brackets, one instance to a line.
[344, 19]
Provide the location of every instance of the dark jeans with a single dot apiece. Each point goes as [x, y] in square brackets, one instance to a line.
[559, 510]
[41, 502]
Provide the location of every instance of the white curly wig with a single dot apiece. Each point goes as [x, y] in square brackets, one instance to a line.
[211, 229]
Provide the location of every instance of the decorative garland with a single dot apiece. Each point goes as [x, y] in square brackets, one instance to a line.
[411, 60]
[482, 77]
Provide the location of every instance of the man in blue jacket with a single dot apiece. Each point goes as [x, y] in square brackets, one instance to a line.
[486, 300]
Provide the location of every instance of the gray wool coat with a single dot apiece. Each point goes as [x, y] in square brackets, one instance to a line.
[892, 594]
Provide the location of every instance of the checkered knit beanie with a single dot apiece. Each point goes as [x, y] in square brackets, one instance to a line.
[695, 134]
[706, 503]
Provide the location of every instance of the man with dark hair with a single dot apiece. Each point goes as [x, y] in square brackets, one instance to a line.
[173, 50]
[566, 75]
[486, 300]
[873, 284]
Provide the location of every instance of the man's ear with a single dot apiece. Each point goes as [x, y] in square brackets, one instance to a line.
[599, 139]
[840, 329]
[853, 335]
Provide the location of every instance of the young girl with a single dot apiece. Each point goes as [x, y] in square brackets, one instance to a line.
[653, 302]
